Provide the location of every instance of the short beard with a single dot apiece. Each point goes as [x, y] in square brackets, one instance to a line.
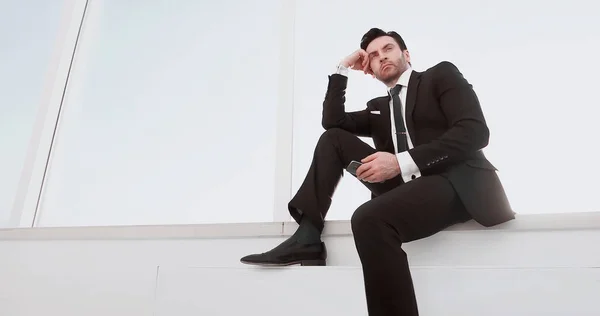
[392, 77]
[401, 66]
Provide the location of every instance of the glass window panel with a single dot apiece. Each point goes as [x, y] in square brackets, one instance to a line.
[170, 116]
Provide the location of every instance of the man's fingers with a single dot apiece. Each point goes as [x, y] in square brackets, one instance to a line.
[361, 169]
[372, 178]
[365, 62]
[369, 158]
[368, 171]
[369, 176]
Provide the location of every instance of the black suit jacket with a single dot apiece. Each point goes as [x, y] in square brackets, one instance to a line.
[447, 127]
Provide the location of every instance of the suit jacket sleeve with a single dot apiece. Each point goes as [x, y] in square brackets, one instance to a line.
[467, 132]
[334, 113]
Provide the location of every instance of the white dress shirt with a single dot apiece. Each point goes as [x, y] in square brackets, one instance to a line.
[408, 168]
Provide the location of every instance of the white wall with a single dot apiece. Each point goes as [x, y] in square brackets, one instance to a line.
[339, 291]
[522, 268]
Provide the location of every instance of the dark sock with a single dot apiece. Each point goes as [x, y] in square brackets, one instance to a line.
[307, 233]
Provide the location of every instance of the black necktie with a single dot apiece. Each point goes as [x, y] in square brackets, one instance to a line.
[400, 129]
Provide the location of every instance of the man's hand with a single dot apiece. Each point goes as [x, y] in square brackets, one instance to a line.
[378, 167]
[359, 60]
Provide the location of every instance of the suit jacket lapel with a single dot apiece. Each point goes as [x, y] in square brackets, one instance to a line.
[384, 107]
[411, 100]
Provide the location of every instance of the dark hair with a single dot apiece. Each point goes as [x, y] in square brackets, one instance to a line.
[376, 32]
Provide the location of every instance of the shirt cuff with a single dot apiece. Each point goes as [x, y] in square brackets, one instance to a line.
[408, 168]
[341, 70]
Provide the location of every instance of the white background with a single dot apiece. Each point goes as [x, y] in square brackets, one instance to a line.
[533, 65]
[170, 114]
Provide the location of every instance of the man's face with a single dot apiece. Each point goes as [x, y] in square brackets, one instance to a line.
[387, 60]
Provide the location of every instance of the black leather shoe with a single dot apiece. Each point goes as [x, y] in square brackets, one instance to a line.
[290, 252]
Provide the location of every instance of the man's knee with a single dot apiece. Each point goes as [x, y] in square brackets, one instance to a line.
[366, 221]
[333, 135]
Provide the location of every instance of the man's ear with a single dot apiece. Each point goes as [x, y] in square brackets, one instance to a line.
[406, 55]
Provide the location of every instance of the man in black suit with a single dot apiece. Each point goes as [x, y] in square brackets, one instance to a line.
[426, 172]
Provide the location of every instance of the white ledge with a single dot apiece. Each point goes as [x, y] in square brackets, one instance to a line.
[529, 222]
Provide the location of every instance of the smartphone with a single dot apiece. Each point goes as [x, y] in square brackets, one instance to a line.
[353, 166]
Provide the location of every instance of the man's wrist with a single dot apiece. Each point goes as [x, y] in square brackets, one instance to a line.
[408, 168]
[341, 69]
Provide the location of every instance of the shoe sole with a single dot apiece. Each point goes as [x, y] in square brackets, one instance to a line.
[305, 263]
